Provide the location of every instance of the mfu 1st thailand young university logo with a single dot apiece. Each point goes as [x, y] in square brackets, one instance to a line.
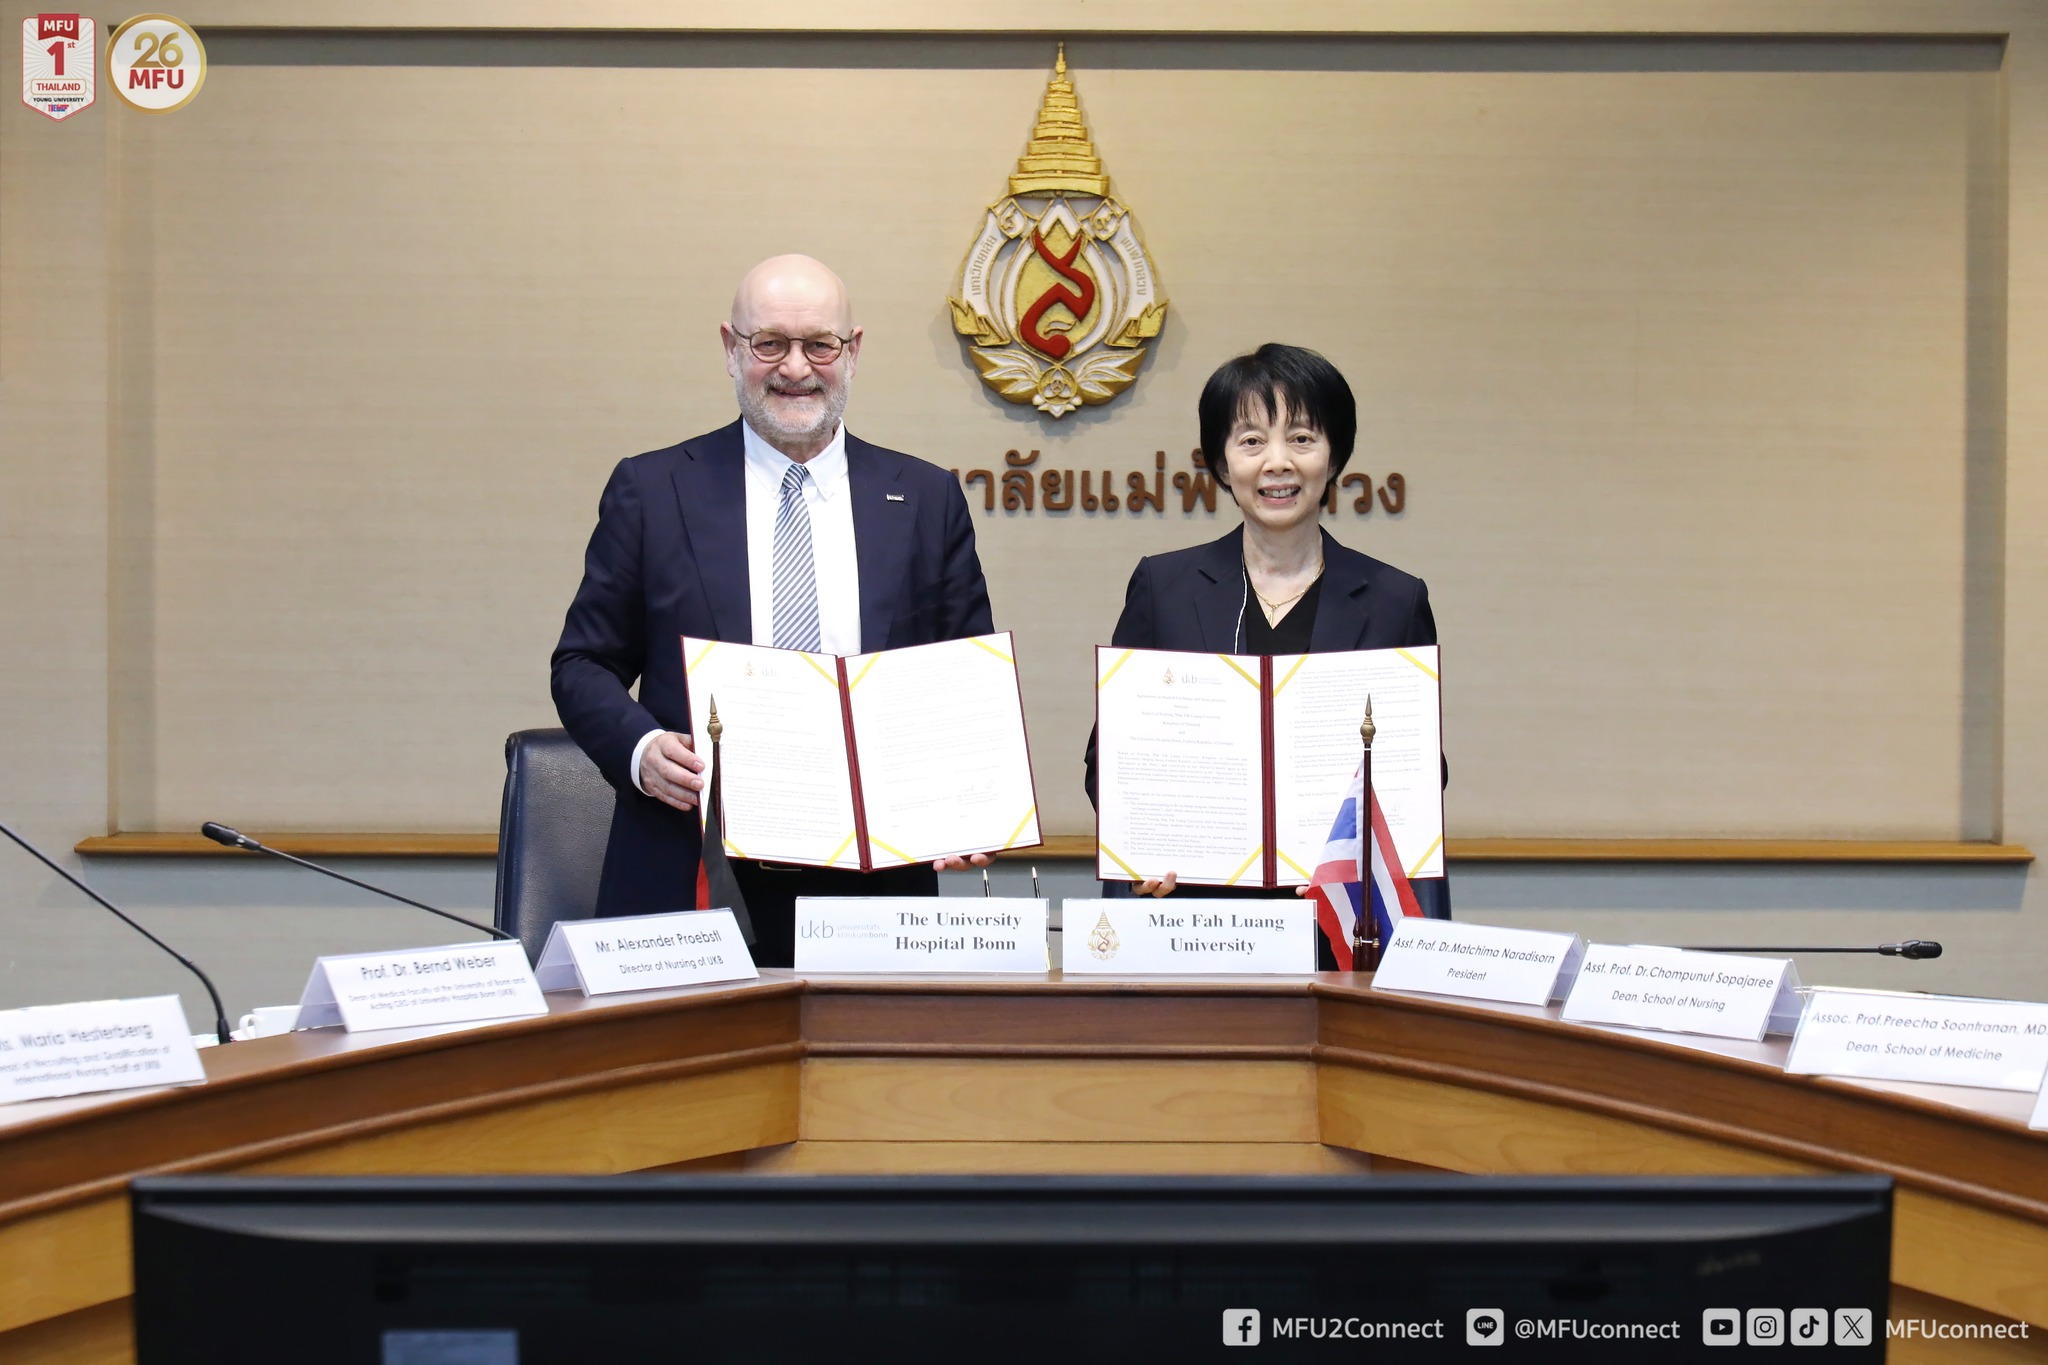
[1057, 294]
[57, 63]
[155, 63]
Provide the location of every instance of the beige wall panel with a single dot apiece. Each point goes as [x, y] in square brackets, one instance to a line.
[1673, 363]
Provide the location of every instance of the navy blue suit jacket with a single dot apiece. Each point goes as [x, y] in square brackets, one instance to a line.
[669, 559]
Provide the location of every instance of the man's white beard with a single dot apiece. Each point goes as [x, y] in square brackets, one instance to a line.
[755, 407]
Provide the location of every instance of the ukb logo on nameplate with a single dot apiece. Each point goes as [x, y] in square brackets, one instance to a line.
[685, 948]
[52, 1050]
[1148, 937]
[920, 934]
[1478, 961]
[456, 984]
[57, 64]
[1674, 990]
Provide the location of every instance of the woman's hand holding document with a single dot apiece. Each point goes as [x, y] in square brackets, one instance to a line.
[878, 760]
[1227, 769]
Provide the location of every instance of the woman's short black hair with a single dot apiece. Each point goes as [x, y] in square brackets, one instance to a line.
[1270, 379]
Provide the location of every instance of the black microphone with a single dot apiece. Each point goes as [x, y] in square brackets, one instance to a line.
[220, 1015]
[234, 838]
[1917, 949]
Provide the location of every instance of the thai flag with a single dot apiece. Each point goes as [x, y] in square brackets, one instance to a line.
[1345, 885]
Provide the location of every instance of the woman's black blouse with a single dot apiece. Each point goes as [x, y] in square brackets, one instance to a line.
[1288, 635]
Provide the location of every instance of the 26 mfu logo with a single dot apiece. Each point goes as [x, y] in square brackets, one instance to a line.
[156, 63]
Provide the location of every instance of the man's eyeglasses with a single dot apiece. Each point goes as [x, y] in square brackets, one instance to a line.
[771, 348]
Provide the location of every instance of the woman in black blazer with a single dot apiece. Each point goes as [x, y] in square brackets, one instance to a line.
[1277, 426]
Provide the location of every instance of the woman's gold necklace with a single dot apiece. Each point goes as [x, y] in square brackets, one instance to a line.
[1273, 607]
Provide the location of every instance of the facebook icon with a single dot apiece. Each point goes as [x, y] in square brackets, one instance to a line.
[1240, 1327]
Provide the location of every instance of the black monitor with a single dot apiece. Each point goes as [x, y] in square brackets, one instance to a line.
[577, 1271]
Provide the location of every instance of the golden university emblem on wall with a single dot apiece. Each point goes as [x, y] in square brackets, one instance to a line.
[1057, 293]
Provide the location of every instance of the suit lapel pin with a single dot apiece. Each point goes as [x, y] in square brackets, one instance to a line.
[892, 497]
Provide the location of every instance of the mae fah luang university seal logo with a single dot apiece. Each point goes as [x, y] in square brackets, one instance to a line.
[1057, 294]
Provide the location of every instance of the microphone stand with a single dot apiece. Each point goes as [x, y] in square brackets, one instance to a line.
[1914, 949]
[220, 1014]
[234, 838]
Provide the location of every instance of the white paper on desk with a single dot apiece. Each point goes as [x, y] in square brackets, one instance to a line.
[1178, 768]
[643, 952]
[451, 984]
[939, 735]
[94, 1045]
[2040, 1118]
[1679, 990]
[1939, 1039]
[787, 790]
[1318, 703]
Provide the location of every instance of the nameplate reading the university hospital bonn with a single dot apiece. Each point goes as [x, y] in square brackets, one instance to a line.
[454, 984]
[912, 934]
[603, 956]
[1477, 961]
[1187, 937]
[1672, 990]
[52, 1050]
[1942, 1039]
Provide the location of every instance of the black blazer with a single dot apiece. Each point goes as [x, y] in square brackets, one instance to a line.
[669, 558]
[1193, 600]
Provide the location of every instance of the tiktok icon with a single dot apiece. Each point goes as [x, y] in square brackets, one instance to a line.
[1809, 1327]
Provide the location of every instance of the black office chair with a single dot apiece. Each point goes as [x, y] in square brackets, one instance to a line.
[552, 827]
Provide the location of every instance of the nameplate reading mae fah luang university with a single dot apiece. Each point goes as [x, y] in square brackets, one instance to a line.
[1672, 990]
[52, 1050]
[1478, 961]
[640, 953]
[1148, 937]
[1943, 1039]
[920, 934]
[455, 984]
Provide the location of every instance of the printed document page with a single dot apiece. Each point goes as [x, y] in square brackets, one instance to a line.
[939, 735]
[1318, 702]
[788, 794]
[1178, 757]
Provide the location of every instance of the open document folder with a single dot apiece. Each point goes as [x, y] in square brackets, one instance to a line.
[1228, 769]
[872, 761]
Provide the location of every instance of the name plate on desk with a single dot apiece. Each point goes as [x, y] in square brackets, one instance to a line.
[1478, 961]
[602, 956]
[1942, 1039]
[1671, 990]
[455, 984]
[1169, 937]
[920, 934]
[94, 1045]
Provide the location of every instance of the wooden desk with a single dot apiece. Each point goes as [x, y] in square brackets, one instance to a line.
[933, 1074]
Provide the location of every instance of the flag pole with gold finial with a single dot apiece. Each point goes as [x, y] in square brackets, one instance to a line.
[717, 887]
[1365, 947]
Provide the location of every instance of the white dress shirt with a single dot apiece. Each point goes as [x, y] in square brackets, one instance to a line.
[829, 499]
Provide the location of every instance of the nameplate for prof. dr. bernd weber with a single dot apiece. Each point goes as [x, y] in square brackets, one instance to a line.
[454, 984]
[1168, 937]
[1943, 1039]
[1674, 990]
[52, 1050]
[685, 948]
[1004, 934]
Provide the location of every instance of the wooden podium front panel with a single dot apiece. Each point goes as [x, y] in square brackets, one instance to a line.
[1309, 1075]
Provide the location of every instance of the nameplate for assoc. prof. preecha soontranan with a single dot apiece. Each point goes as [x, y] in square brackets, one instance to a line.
[57, 63]
[155, 63]
[1057, 295]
